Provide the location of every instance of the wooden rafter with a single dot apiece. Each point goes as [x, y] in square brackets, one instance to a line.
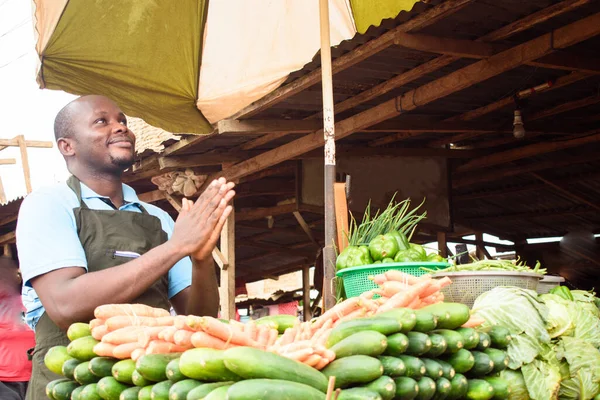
[506, 172]
[536, 214]
[561, 188]
[28, 143]
[7, 161]
[565, 107]
[482, 70]
[529, 151]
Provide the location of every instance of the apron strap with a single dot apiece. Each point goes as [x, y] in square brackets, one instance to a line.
[75, 184]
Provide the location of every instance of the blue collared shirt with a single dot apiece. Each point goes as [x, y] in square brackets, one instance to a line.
[47, 238]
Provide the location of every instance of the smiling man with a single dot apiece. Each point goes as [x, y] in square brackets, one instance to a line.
[91, 241]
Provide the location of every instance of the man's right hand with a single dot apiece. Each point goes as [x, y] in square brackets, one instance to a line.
[198, 226]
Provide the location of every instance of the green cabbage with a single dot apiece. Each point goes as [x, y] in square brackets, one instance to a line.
[559, 319]
[584, 368]
[516, 384]
[542, 379]
[587, 325]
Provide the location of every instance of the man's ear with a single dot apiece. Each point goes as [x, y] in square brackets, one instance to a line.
[65, 146]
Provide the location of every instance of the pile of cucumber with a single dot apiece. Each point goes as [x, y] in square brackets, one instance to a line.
[399, 354]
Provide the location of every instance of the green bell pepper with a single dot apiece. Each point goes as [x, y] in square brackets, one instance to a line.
[409, 255]
[383, 246]
[401, 239]
[420, 250]
[353, 256]
[387, 260]
[563, 292]
[434, 257]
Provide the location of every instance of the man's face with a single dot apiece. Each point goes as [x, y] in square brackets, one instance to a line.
[101, 137]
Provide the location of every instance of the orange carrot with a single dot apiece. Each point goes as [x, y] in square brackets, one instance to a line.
[288, 336]
[262, 338]
[168, 334]
[295, 346]
[414, 304]
[141, 310]
[124, 351]
[402, 299]
[378, 279]
[237, 324]
[312, 360]
[149, 333]
[360, 313]
[431, 299]
[104, 349]
[328, 324]
[445, 281]
[166, 321]
[338, 311]
[183, 338]
[122, 321]
[193, 321]
[162, 347]
[180, 322]
[96, 323]
[203, 339]
[137, 353]
[390, 288]
[367, 295]
[273, 333]
[251, 330]
[395, 275]
[322, 364]
[99, 332]
[129, 334]
[473, 322]
[300, 355]
[323, 338]
[228, 333]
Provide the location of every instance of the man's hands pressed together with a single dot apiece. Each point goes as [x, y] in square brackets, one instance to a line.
[198, 226]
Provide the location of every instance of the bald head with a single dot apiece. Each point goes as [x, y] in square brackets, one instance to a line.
[64, 121]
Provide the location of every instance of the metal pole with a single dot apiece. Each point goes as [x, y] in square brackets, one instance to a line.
[329, 135]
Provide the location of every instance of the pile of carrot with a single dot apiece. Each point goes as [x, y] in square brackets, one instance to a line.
[132, 330]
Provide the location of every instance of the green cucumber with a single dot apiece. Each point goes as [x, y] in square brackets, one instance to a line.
[68, 368]
[483, 364]
[415, 368]
[353, 370]
[77, 392]
[438, 345]
[251, 363]
[448, 371]
[201, 391]
[442, 389]
[83, 375]
[51, 385]
[426, 388]
[366, 343]
[385, 326]
[462, 361]
[145, 393]
[454, 340]
[405, 316]
[392, 366]
[180, 390]
[450, 315]
[501, 387]
[479, 390]
[63, 390]
[109, 388]
[130, 393]
[396, 344]
[484, 341]
[160, 391]
[139, 380]
[82, 348]
[358, 393]
[458, 387]
[123, 371]
[406, 388]
[418, 343]
[500, 337]
[385, 386]
[173, 372]
[433, 368]
[499, 358]
[425, 322]
[153, 366]
[219, 393]
[90, 392]
[470, 337]
[102, 366]
[279, 322]
[206, 365]
[272, 389]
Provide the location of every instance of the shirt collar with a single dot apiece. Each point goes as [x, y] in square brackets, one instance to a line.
[129, 195]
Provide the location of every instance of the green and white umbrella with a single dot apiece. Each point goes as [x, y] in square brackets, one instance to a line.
[183, 65]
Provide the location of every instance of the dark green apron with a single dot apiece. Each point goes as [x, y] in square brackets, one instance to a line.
[101, 232]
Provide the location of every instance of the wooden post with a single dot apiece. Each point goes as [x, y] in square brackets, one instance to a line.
[25, 162]
[329, 137]
[228, 271]
[306, 294]
[341, 216]
[442, 246]
[2, 193]
[7, 251]
[480, 252]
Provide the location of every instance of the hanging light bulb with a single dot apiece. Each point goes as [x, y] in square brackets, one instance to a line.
[518, 128]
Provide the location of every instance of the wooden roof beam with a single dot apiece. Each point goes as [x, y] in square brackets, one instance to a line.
[506, 172]
[564, 107]
[538, 214]
[442, 87]
[561, 188]
[28, 143]
[355, 56]
[529, 151]
[7, 161]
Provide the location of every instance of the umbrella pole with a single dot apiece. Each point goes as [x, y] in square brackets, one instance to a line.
[329, 136]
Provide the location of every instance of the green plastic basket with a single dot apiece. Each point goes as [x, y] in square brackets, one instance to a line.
[356, 279]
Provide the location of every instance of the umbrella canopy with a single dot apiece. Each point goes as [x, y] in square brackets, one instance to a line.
[183, 67]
